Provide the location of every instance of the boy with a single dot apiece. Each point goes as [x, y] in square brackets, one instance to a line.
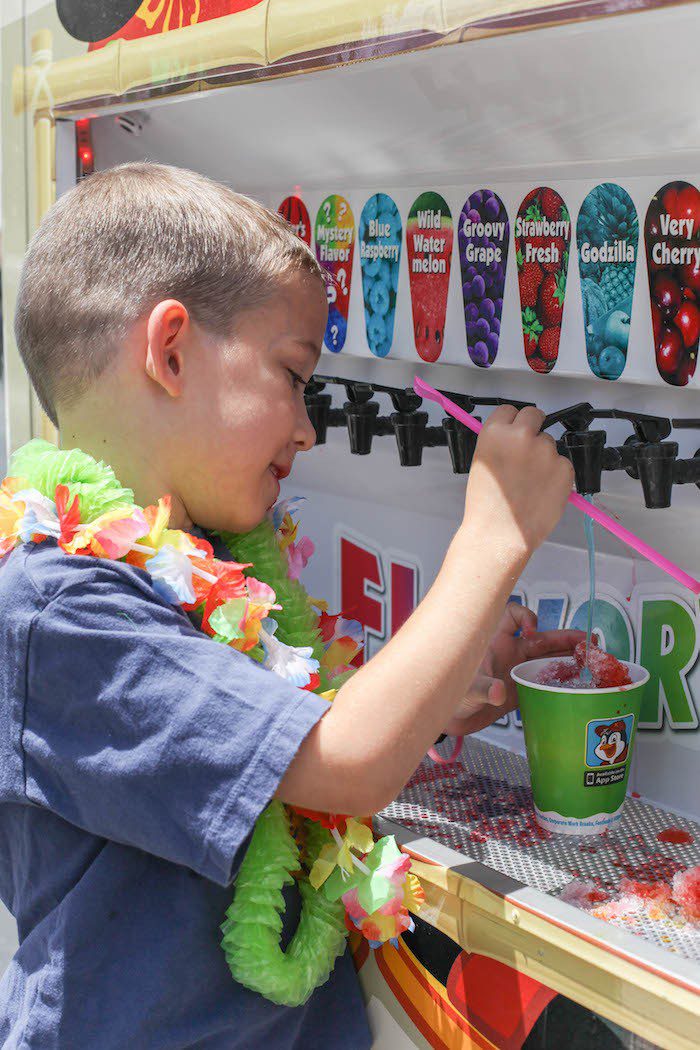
[169, 327]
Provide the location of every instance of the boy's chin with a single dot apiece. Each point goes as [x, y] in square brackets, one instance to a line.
[240, 524]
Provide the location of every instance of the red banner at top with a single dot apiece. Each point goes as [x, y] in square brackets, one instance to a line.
[160, 16]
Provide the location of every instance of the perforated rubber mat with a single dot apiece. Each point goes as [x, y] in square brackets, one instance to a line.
[482, 806]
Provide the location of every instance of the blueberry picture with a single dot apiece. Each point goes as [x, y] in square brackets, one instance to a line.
[380, 256]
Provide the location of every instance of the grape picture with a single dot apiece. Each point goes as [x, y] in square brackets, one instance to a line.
[429, 237]
[542, 238]
[380, 256]
[335, 245]
[483, 238]
[607, 235]
[296, 213]
[672, 238]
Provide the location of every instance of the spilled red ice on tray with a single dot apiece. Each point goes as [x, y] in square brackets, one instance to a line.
[606, 671]
[657, 899]
[686, 892]
[676, 836]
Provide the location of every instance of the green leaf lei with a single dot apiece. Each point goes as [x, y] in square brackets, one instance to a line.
[71, 497]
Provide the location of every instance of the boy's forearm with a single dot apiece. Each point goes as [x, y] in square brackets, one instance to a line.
[384, 719]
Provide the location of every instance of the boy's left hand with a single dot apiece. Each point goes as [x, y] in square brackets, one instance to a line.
[493, 691]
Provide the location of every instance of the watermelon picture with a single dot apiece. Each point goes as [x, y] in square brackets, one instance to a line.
[380, 255]
[429, 235]
[296, 213]
[334, 235]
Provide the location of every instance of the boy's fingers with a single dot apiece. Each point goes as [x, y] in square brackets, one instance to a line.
[502, 414]
[553, 643]
[530, 419]
[519, 618]
[488, 690]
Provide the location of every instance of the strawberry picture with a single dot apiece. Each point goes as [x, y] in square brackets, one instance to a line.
[530, 277]
[550, 202]
[551, 298]
[561, 260]
[531, 332]
[542, 238]
[549, 343]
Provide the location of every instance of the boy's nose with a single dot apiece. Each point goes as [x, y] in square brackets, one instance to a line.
[305, 436]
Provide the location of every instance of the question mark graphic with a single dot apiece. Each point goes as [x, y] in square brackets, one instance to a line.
[334, 334]
[342, 210]
[331, 293]
[341, 280]
[327, 210]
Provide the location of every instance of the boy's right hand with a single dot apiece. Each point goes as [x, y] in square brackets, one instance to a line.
[518, 483]
[357, 758]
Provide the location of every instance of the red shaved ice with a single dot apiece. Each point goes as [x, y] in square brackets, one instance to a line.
[686, 892]
[660, 892]
[558, 672]
[606, 670]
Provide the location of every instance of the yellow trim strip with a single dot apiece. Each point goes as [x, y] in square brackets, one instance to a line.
[480, 921]
[124, 65]
[260, 36]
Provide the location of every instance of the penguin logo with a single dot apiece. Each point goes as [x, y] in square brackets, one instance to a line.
[613, 745]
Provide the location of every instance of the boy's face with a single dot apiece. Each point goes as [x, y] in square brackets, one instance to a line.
[245, 408]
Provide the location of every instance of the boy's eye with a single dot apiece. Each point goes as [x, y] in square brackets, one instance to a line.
[297, 379]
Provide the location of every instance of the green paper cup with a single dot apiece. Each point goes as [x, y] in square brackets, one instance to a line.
[579, 746]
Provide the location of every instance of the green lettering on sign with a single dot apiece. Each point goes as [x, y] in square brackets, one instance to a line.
[611, 622]
[667, 648]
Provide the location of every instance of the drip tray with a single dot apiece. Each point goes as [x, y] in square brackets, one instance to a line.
[481, 806]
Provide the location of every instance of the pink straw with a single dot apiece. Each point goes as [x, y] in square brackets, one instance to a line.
[423, 389]
[451, 758]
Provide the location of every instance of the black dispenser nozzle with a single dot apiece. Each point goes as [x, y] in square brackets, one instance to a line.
[585, 449]
[361, 419]
[409, 428]
[461, 443]
[655, 465]
[646, 455]
[687, 471]
[318, 407]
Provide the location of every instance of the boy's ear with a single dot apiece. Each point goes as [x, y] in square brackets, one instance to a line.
[167, 332]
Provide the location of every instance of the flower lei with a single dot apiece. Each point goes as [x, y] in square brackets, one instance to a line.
[346, 880]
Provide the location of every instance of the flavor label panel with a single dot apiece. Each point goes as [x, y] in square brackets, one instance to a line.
[607, 234]
[429, 235]
[672, 238]
[335, 244]
[483, 238]
[296, 213]
[542, 238]
[380, 254]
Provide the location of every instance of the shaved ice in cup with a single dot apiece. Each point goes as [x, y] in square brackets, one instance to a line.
[579, 734]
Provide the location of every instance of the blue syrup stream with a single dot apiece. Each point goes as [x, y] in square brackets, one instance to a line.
[590, 543]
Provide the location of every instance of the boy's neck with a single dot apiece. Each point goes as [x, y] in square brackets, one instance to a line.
[132, 457]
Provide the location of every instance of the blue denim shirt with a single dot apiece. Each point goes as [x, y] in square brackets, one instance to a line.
[135, 758]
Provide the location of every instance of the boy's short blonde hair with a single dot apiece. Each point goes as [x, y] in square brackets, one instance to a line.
[124, 239]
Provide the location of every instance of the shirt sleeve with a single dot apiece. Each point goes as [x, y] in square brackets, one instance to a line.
[140, 729]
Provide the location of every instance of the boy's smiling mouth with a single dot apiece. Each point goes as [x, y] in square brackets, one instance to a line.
[280, 472]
